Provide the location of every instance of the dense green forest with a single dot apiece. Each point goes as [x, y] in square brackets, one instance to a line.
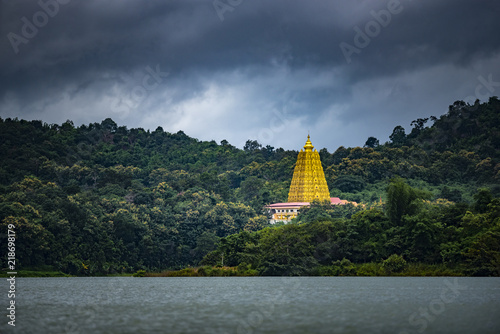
[456, 239]
[101, 198]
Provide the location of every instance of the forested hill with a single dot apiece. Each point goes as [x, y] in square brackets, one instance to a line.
[102, 198]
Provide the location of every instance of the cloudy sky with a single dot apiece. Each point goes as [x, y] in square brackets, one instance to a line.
[269, 70]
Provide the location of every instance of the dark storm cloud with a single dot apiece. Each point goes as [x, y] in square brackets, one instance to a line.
[443, 32]
[265, 57]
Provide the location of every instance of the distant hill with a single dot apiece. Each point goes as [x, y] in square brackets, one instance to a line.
[102, 198]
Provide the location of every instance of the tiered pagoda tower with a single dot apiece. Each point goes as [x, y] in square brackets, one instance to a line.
[308, 182]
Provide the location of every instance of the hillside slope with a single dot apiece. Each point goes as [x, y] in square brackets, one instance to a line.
[102, 198]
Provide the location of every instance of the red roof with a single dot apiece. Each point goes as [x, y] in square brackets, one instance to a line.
[335, 200]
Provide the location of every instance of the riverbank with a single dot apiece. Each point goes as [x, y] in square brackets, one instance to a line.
[338, 269]
[205, 271]
[35, 273]
[342, 268]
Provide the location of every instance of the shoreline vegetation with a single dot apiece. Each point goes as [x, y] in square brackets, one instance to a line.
[343, 269]
[359, 270]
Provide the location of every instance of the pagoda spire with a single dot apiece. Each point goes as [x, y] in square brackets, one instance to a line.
[308, 146]
[308, 182]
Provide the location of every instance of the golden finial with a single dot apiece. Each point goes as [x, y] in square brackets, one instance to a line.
[308, 145]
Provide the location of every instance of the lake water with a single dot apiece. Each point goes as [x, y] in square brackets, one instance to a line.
[256, 305]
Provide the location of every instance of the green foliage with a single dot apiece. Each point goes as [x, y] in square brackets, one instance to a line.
[207, 271]
[452, 194]
[398, 136]
[104, 199]
[342, 267]
[372, 142]
[394, 264]
[37, 273]
[370, 269]
[349, 183]
[435, 238]
[482, 198]
[326, 211]
[140, 273]
[402, 200]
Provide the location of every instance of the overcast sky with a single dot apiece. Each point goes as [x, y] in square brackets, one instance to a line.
[269, 70]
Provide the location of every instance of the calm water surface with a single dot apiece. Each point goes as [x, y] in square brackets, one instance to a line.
[256, 305]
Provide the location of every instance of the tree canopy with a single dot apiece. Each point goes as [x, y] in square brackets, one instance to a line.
[102, 198]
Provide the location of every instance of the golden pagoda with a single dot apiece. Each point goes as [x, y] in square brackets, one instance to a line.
[308, 182]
